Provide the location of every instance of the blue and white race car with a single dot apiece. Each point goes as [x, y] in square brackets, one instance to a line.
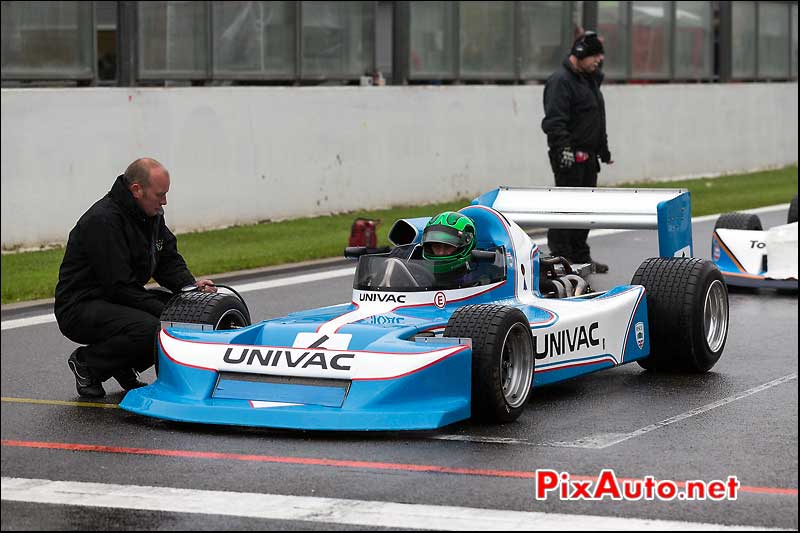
[409, 353]
[749, 256]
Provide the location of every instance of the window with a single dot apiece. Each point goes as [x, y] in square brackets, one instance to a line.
[793, 70]
[106, 25]
[613, 26]
[542, 37]
[254, 39]
[650, 40]
[773, 40]
[432, 33]
[338, 39]
[743, 40]
[693, 40]
[47, 40]
[487, 39]
[173, 40]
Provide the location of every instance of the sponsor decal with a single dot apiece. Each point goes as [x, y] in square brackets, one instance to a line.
[302, 361]
[378, 297]
[715, 251]
[383, 320]
[287, 358]
[640, 335]
[159, 245]
[686, 251]
[561, 341]
[757, 244]
[313, 340]
[440, 300]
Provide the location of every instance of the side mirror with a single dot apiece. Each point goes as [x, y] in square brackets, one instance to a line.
[482, 256]
[354, 252]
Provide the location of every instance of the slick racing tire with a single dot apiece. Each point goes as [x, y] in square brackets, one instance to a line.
[738, 221]
[687, 311]
[220, 310]
[502, 359]
[792, 217]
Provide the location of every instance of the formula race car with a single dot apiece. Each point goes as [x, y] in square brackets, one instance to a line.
[415, 349]
[750, 256]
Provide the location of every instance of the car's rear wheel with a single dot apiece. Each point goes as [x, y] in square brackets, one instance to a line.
[746, 221]
[687, 312]
[502, 359]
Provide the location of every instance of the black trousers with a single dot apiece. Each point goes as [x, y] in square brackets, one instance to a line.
[571, 243]
[116, 336]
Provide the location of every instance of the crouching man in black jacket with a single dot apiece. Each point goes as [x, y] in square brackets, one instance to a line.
[575, 125]
[112, 252]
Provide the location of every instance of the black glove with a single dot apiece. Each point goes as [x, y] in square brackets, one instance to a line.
[605, 156]
[566, 158]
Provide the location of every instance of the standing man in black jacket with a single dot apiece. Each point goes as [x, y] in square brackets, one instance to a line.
[112, 252]
[575, 125]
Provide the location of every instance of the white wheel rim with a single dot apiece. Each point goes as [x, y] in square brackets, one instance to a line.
[231, 318]
[516, 365]
[715, 316]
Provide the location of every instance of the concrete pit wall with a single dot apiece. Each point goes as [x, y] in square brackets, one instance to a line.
[244, 154]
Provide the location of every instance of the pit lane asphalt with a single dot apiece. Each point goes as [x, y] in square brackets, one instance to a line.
[753, 437]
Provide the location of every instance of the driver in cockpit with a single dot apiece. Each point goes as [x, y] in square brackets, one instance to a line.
[448, 241]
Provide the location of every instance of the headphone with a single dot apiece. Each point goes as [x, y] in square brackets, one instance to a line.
[588, 44]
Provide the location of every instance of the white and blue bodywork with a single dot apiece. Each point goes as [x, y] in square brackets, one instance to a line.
[381, 362]
[757, 259]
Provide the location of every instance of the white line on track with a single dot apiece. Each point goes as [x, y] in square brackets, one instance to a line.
[604, 440]
[30, 321]
[322, 510]
[483, 440]
[296, 280]
[341, 272]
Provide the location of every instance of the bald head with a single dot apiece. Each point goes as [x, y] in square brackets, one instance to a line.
[139, 171]
[148, 182]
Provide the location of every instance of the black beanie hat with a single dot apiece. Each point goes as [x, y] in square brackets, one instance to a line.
[587, 45]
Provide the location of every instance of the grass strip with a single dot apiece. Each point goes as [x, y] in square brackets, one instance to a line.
[33, 275]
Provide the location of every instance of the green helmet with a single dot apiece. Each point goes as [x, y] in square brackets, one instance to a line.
[450, 228]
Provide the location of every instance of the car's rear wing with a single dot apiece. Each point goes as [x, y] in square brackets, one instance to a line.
[667, 210]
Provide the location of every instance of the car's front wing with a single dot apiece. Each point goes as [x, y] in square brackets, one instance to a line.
[285, 387]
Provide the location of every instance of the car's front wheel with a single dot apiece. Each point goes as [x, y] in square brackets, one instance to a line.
[219, 310]
[502, 359]
[735, 220]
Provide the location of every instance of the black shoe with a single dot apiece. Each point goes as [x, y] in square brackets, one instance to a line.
[128, 379]
[85, 382]
[599, 268]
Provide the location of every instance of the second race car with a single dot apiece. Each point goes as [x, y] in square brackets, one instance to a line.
[750, 256]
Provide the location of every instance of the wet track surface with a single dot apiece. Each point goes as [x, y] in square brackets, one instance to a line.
[738, 420]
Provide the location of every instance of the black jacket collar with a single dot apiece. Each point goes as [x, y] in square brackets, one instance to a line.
[122, 196]
[597, 77]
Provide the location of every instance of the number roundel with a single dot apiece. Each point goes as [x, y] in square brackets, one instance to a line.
[440, 300]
